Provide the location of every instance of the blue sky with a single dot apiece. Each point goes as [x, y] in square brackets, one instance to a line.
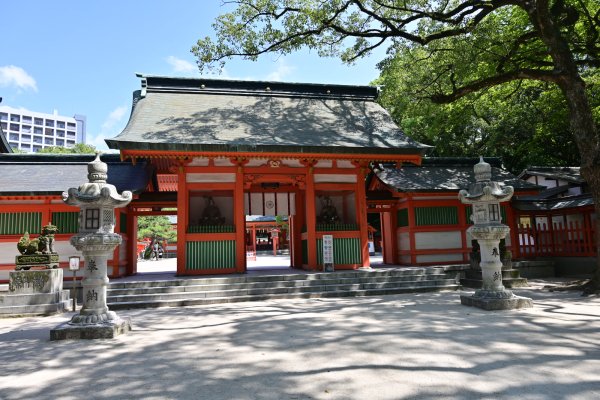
[80, 57]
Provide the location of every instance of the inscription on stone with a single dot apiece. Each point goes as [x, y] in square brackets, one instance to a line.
[92, 295]
[92, 265]
[36, 281]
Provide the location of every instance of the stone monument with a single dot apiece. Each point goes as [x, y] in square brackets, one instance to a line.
[96, 240]
[485, 196]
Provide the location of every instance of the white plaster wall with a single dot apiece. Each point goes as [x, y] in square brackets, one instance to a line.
[335, 178]
[437, 240]
[403, 241]
[441, 258]
[208, 178]
[8, 251]
[405, 259]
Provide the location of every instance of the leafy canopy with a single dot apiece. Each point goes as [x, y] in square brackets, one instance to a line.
[78, 148]
[156, 227]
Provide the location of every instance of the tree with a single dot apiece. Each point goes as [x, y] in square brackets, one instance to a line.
[470, 45]
[156, 227]
[524, 123]
[78, 148]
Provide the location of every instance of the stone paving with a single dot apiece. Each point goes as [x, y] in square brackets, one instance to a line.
[415, 346]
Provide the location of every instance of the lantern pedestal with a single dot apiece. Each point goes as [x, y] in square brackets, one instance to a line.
[97, 241]
[485, 196]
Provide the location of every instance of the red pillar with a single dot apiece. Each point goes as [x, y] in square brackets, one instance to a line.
[182, 220]
[240, 221]
[361, 214]
[311, 220]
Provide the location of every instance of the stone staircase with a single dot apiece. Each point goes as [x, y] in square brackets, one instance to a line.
[199, 291]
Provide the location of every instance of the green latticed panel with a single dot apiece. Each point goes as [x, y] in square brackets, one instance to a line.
[67, 222]
[402, 216]
[336, 227]
[436, 216]
[345, 251]
[211, 228]
[20, 222]
[219, 254]
[304, 251]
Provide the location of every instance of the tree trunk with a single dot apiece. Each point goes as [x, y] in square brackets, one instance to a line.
[581, 120]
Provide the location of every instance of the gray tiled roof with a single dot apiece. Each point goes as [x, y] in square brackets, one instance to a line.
[553, 204]
[51, 174]
[445, 174]
[568, 174]
[218, 115]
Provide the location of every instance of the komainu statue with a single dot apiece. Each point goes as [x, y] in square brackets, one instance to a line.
[44, 244]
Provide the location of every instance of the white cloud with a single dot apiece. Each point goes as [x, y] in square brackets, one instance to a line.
[11, 75]
[282, 71]
[180, 65]
[113, 118]
[110, 128]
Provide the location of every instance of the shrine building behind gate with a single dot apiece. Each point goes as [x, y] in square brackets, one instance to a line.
[227, 149]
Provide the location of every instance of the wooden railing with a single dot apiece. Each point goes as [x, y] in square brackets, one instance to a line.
[574, 239]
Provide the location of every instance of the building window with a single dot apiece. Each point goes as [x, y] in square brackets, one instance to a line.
[49, 131]
[70, 143]
[92, 218]
[49, 141]
[71, 125]
[15, 118]
[60, 142]
[38, 121]
[26, 119]
[60, 133]
[60, 124]
[50, 122]
[37, 139]
[14, 127]
[3, 117]
[14, 136]
[38, 130]
[26, 138]
[26, 129]
[36, 148]
[4, 125]
[71, 135]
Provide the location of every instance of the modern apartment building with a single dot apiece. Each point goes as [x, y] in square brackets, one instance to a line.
[32, 131]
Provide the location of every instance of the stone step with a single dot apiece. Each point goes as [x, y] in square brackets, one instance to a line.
[506, 274]
[303, 295]
[275, 290]
[411, 271]
[507, 283]
[25, 305]
[175, 288]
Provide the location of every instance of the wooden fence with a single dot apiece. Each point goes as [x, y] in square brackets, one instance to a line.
[574, 239]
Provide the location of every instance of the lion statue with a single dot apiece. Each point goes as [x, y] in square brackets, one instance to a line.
[44, 244]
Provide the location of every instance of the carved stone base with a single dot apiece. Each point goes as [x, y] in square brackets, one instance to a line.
[34, 293]
[105, 330]
[496, 303]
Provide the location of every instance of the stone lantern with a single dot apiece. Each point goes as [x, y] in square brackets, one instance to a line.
[96, 240]
[485, 196]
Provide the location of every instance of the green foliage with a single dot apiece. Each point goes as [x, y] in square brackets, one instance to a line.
[469, 77]
[78, 148]
[156, 227]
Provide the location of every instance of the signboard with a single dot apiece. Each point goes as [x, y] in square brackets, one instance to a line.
[328, 253]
